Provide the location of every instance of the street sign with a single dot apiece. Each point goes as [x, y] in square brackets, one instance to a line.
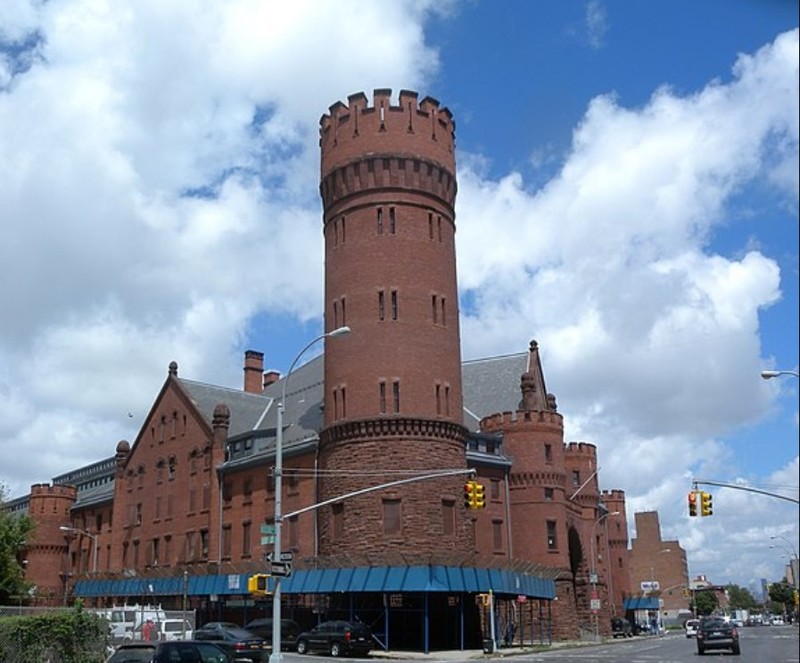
[285, 557]
[267, 529]
[595, 604]
[650, 585]
[281, 569]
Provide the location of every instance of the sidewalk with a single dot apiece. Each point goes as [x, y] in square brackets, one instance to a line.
[469, 654]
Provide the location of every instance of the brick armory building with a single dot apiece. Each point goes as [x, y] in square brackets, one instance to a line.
[181, 511]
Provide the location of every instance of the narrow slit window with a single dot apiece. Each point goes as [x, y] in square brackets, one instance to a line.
[392, 221]
[344, 225]
[380, 220]
[336, 315]
[430, 225]
[447, 400]
[344, 312]
[382, 397]
[438, 389]
[381, 306]
[439, 227]
[344, 403]
[394, 304]
[434, 309]
[396, 395]
[336, 404]
[444, 312]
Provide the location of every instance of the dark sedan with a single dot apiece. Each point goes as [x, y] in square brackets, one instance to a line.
[336, 638]
[243, 645]
[164, 652]
[716, 633]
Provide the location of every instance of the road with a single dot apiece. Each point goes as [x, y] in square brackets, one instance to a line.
[773, 644]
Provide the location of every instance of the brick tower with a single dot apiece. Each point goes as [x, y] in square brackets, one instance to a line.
[393, 395]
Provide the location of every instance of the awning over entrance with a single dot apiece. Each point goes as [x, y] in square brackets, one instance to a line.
[322, 581]
[641, 603]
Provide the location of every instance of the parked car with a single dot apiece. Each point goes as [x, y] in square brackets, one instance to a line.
[337, 638]
[776, 621]
[186, 651]
[290, 629]
[716, 633]
[691, 627]
[242, 644]
[621, 628]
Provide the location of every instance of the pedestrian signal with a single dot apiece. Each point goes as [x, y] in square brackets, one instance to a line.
[257, 584]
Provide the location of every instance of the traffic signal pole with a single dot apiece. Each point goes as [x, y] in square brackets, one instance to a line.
[708, 482]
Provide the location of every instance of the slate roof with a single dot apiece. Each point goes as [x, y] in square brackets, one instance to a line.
[490, 385]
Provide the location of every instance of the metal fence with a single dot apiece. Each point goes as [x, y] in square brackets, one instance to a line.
[18, 644]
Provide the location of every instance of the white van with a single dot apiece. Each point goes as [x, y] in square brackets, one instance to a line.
[124, 619]
[691, 627]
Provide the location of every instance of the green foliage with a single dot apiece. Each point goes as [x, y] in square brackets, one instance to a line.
[783, 593]
[15, 533]
[740, 598]
[69, 636]
[705, 602]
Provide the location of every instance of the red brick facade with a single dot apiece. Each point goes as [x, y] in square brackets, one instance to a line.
[190, 494]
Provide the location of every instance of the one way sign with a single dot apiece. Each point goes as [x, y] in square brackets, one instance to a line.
[286, 557]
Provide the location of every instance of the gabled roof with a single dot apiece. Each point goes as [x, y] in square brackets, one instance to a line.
[247, 410]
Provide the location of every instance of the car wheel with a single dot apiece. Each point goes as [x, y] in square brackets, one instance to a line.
[335, 649]
[302, 648]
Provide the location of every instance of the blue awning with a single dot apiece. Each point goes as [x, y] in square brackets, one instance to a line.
[641, 603]
[323, 581]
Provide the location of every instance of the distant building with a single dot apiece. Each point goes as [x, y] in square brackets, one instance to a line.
[658, 568]
[187, 509]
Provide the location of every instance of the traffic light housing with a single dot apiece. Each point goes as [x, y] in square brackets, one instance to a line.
[469, 494]
[706, 505]
[692, 497]
[257, 584]
[480, 495]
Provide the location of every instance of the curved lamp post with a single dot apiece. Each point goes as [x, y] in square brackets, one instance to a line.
[276, 656]
[93, 537]
[767, 375]
[592, 566]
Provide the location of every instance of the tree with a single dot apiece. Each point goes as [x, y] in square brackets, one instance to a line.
[705, 602]
[783, 593]
[15, 534]
[740, 598]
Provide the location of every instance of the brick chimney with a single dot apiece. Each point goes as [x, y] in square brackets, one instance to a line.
[253, 370]
[271, 377]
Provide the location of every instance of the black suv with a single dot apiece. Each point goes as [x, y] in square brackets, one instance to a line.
[716, 633]
[621, 628]
[336, 638]
[290, 629]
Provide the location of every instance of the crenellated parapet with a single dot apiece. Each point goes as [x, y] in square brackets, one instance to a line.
[581, 451]
[520, 421]
[543, 478]
[45, 490]
[383, 147]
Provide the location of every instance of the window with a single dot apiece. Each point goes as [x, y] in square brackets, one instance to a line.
[344, 403]
[382, 397]
[391, 517]
[444, 312]
[167, 550]
[157, 506]
[494, 489]
[447, 400]
[381, 306]
[344, 312]
[172, 465]
[394, 304]
[192, 499]
[430, 225]
[292, 537]
[226, 541]
[380, 220]
[438, 400]
[552, 542]
[344, 226]
[155, 551]
[206, 504]
[448, 517]
[497, 535]
[392, 221]
[548, 453]
[576, 478]
[336, 314]
[548, 494]
[227, 491]
[191, 552]
[138, 520]
[246, 536]
[338, 521]
[439, 227]
[247, 489]
[434, 309]
[396, 395]
[204, 544]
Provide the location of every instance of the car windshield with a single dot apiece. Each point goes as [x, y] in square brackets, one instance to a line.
[132, 655]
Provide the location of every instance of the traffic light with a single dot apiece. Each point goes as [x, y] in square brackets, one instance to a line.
[692, 497]
[480, 496]
[706, 506]
[257, 584]
[469, 494]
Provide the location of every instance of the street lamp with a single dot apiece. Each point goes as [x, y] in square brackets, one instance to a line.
[592, 566]
[767, 375]
[93, 537]
[276, 656]
[791, 545]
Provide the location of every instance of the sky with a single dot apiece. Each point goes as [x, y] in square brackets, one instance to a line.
[628, 197]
